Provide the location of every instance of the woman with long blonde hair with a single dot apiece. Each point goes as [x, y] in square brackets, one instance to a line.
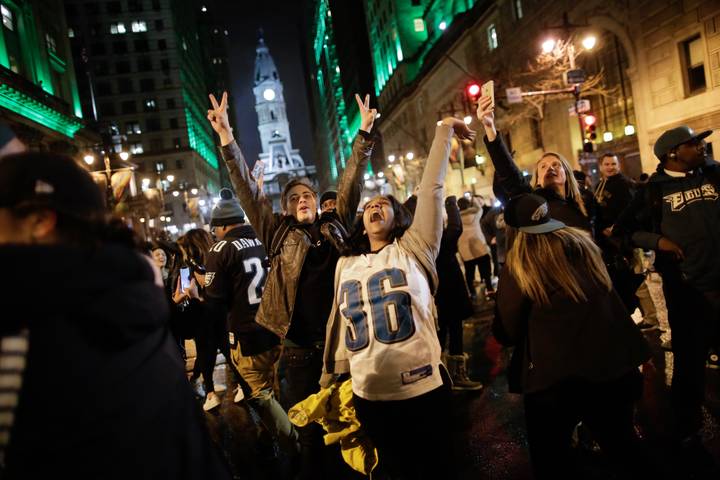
[552, 179]
[576, 347]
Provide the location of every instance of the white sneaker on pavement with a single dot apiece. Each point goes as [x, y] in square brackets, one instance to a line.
[211, 401]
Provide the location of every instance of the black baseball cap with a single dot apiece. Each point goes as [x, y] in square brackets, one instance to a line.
[529, 213]
[329, 195]
[675, 137]
[49, 180]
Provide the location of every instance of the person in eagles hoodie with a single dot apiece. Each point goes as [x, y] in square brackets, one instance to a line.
[93, 386]
[678, 215]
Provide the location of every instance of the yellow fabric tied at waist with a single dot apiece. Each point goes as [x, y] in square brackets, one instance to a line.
[333, 409]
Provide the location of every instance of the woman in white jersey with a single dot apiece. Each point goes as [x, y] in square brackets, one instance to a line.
[382, 327]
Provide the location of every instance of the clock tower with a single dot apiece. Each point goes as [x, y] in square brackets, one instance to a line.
[282, 161]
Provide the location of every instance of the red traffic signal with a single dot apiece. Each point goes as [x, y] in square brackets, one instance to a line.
[589, 120]
[473, 90]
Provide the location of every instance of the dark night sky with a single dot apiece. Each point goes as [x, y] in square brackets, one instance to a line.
[280, 22]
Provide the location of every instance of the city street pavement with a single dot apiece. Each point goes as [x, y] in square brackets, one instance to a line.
[490, 440]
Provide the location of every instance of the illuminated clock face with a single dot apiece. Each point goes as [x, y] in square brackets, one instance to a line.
[269, 94]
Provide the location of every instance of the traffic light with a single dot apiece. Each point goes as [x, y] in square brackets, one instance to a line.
[590, 125]
[472, 93]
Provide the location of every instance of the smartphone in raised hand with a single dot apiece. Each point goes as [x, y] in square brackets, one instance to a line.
[488, 90]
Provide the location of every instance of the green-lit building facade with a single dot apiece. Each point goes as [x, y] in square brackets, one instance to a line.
[337, 58]
[39, 95]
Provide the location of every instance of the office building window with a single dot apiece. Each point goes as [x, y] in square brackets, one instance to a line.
[7, 18]
[71, 33]
[101, 68]
[135, 5]
[153, 124]
[122, 67]
[138, 26]
[98, 49]
[141, 45]
[144, 64]
[125, 85]
[170, 103]
[159, 166]
[117, 28]
[120, 47]
[147, 85]
[517, 9]
[694, 65]
[165, 65]
[136, 148]
[162, 44]
[92, 8]
[150, 104]
[132, 127]
[178, 164]
[156, 5]
[174, 123]
[103, 88]
[128, 106]
[159, 25]
[113, 7]
[156, 144]
[177, 142]
[107, 109]
[492, 37]
[50, 43]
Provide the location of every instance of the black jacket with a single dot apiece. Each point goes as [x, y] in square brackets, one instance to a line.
[237, 268]
[685, 209]
[104, 393]
[612, 196]
[509, 182]
[452, 298]
[594, 340]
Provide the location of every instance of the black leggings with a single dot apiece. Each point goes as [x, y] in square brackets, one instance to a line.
[484, 264]
[412, 436]
[606, 408]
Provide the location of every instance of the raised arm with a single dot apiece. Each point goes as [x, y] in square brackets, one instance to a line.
[257, 206]
[427, 222]
[508, 180]
[350, 184]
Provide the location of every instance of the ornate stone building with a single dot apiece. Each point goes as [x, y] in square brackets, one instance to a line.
[282, 161]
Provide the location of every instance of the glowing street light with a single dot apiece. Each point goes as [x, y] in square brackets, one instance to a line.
[607, 136]
[170, 178]
[391, 158]
[194, 191]
[443, 25]
[176, 193]
[629, 129]
[589, 42]
[124, 156]
[89, 159]
[548, 45]
[410, 155]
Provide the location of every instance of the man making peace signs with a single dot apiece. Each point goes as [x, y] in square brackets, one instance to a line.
[298, 293]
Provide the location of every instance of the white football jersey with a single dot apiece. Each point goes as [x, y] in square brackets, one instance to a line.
[387, 310]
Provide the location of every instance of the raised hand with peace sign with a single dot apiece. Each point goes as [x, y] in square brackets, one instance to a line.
[367, 114]
[219, 119]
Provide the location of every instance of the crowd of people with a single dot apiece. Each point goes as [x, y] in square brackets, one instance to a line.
[330, 291]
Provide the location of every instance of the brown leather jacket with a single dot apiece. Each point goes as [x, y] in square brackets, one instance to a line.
[278, 300]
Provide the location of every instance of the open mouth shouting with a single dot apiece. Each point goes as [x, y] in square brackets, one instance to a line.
[376, 216]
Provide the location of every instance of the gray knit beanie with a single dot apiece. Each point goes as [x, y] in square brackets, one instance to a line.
[227, 211]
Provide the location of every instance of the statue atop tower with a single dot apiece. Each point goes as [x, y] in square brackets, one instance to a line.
[282, 161]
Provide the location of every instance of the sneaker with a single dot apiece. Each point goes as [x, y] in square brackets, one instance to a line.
[713, 360]
[211, 401]
[647, 327]
[239, 395]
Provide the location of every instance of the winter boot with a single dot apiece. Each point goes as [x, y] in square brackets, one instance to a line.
[457, 367]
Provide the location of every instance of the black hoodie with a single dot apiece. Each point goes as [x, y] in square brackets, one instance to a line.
[104, 393]
[684, 208]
